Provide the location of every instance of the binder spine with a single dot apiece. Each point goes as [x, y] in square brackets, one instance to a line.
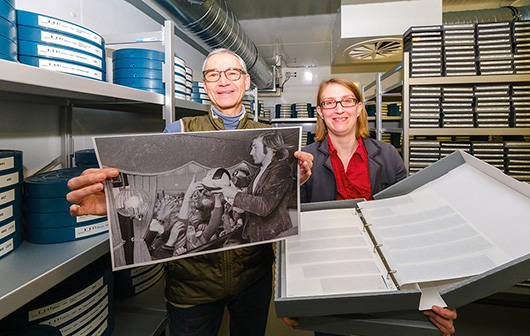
[377, 248]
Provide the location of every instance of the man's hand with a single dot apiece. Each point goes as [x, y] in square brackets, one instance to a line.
[87, 192]
[442, 318]
[305, 161]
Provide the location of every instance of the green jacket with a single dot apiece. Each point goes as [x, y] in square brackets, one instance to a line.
[211, 277]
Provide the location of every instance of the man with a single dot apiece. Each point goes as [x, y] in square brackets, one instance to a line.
[266, 199]
[199, 288]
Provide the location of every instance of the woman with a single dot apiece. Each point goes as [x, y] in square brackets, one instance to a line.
[348, 164]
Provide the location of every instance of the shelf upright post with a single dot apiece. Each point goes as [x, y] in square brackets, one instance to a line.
[405, 111]
[168, 75]
[256, 106]
[67, 146]
[378, 107]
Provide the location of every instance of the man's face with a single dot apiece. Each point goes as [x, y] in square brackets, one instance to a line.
[226, 95]
[257, 152]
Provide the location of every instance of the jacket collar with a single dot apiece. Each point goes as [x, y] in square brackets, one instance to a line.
[372, 150]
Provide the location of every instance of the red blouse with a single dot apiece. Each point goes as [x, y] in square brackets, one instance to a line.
[355, 182]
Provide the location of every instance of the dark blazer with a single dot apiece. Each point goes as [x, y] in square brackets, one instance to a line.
[266, 206]
[385, 168]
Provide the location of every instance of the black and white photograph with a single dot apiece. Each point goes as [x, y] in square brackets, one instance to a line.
[183, 194]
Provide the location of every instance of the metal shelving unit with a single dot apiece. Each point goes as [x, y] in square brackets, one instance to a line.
[407, 82]
[35, 268]
[386, 88]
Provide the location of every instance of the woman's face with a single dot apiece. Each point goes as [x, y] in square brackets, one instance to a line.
[339, 120]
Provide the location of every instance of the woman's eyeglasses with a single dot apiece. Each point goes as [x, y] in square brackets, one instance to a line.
[345, 102]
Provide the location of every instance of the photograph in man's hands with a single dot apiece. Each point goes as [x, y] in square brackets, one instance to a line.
[184, 194]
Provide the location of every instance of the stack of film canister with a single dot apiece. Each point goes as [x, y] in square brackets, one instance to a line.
[249, 106]
[422, 154]
[189, 82]
[370, 110]
[518, 159]
[459, 50]
[199, 95]
[180, 78]
[86, 158]
[492, 105]
[457, 106]
[82, 304]
[301, 110]
[490, 152]
[11, 178]
[266, 113]
[494, 43]
[47, 218]
[521, 105]
[393, 109]
[132, 281]
[8, 31]
[54, 44]
[425, 47]
[284, 111]
[425, 106]
[138, 68]
[521, 42]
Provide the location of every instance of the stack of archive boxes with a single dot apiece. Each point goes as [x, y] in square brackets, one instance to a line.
[425, 47]
[494, 47]
[135, 280]
[83, 304]
[492, 105]
[459, 50]
[53, 44]
[521, 41]
[11, 179]
[8, 31]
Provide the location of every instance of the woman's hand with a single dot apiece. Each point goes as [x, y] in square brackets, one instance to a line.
[442, 318]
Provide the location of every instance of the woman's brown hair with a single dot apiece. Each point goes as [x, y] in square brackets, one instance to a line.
[361, 127]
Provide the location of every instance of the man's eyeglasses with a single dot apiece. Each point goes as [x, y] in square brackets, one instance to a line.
[232, 74]
[345, 102]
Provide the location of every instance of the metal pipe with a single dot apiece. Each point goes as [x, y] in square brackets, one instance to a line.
[215, 24]
[488, 15]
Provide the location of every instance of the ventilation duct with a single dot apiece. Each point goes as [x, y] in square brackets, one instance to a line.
[488, 15]
[215, 24]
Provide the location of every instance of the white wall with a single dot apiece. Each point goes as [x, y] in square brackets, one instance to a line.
[304, 87]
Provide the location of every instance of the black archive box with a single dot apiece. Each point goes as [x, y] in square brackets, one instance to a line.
[457, 192]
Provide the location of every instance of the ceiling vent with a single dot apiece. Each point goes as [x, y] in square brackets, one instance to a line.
[374, 49]
[371, 32]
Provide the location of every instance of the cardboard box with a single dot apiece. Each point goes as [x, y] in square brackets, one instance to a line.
[459, 196]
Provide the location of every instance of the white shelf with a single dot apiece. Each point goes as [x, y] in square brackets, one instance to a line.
[32, 269]
[25, 79]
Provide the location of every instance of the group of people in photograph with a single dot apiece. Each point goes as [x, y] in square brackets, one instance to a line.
[343, 163]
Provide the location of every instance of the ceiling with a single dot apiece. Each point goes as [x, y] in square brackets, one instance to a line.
[300, 30]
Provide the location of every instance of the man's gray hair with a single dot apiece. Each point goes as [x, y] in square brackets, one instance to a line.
[224, 51]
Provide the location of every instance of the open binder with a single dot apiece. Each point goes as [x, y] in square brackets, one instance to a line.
[448, 235]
